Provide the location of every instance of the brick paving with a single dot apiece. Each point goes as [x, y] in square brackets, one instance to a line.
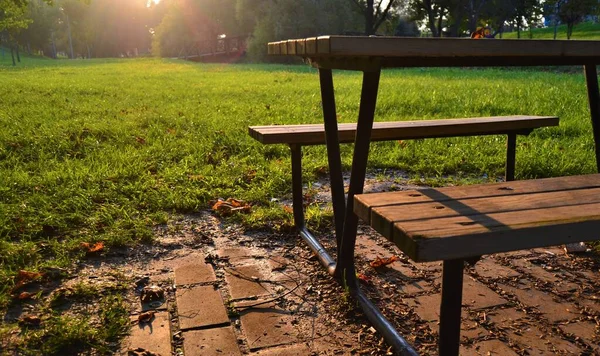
[525, 302]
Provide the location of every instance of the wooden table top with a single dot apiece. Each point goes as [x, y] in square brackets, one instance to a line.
[466, 221]
[356, 51]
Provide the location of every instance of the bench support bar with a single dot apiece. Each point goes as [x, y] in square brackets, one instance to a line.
[450, 310]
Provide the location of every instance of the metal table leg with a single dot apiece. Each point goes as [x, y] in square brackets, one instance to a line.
[362, 141]
[333, 151]
[591, 78]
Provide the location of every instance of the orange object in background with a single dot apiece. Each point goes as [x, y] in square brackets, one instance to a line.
[482, 32]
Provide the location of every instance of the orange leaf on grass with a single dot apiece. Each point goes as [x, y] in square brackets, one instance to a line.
[378, 262]
[92, 248]
[227, 207]
[288, 210]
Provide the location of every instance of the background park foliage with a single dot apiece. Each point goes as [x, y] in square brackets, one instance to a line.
[172, 28]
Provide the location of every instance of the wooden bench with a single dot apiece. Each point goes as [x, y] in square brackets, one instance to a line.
[297, 136]
[455, 223]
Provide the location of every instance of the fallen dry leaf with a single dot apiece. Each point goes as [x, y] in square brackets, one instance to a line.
[25, 295]
[378, 262]
[152, 293]
[363, 278]
[30, 320]
[288, 210]
[229, 206]
[146, 317]
[24, 277]
[140, 140]
[92, 248]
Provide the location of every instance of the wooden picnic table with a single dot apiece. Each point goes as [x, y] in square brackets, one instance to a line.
[372, 54]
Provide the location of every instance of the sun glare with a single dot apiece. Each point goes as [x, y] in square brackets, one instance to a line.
[152, 2]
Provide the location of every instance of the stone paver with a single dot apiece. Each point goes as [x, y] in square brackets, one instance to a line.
[543, 302]
[537, 342]
[200, 306]
[278, 263]
[593, 305]
[244, 281]
[210, 342]
[506, 316]
[297, 349]
[469, 330]
[194, 273]
[154, 336]
[559, 280]
[589, 332]
[487, 348]
[519, 329]
[414, 287]
[235, 254]
[478, 296]
[267, 326]
[402, 270]
[488, 268]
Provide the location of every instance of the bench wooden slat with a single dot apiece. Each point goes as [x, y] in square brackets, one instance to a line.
[384, 218]
[314, 134]
[494, 223]
[510, 231]
[365, 202]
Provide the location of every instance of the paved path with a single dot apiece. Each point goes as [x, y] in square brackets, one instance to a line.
[240, 297]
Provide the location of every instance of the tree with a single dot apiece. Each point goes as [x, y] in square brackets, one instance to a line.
[12, 21]
[374, 13]
[571, 12]
[432, 12]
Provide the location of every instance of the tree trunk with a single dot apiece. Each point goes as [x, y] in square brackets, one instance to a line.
[369, 20]
[440, 22]
[29, 48]
[70, 37]
[53, 46]
[569, 30]
[556, 20]
[12, 53]
[18, 55]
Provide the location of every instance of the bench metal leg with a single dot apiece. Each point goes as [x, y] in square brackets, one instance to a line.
[297, 195]
[333, 151]
[450, 309]
[511, 152]
[591, 78]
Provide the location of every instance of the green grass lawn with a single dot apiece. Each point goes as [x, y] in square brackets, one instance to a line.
[103, 150]
[582, 31]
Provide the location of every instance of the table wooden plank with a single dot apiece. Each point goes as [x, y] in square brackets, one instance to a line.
[467, 236]
[402, 130]
[383, 219]
[363, 203]
[447, 47]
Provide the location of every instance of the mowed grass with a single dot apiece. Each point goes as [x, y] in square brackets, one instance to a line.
[103, 150]
[581, 31]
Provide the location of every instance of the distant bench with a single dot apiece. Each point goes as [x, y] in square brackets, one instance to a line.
[297, 136]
